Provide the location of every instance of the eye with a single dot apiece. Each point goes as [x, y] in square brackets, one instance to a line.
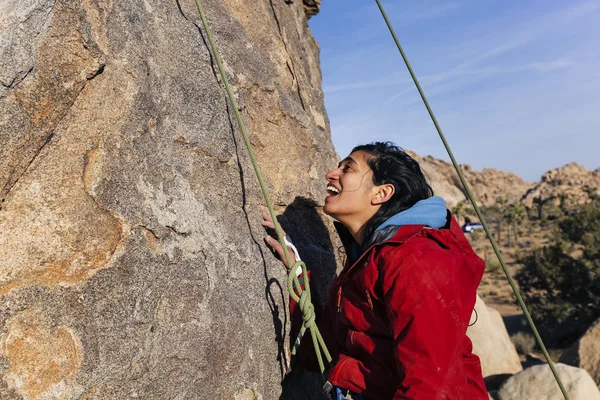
[346, 167]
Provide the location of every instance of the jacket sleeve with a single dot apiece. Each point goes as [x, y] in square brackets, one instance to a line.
[423, 306]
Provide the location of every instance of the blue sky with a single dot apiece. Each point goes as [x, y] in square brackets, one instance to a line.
[515, 85]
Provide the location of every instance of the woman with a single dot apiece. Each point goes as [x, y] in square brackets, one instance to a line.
[398, 312]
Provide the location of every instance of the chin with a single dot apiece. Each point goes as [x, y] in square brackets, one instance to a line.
[331, 213]
[329, 209]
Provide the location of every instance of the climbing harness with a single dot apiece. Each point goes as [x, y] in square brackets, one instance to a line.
[475, 206]
[297, 292]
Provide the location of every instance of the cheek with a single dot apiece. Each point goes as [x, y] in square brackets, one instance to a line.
[359, 198]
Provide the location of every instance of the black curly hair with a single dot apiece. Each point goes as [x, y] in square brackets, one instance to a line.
[391, 165]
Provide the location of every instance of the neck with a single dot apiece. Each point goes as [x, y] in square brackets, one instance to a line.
[358, 232]
[357, 225]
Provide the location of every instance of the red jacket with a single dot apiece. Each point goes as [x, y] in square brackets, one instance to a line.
[397, 318]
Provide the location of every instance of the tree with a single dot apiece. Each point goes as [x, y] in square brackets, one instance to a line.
[517, 215]
[463, 210]
[562, 288]
[457, 210]
[501, 204]
[563, 202]
[509, 218]
[493, 215]
[539, 203]
[592, 194]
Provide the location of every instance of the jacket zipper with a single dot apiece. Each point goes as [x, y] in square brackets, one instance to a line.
[346, 272]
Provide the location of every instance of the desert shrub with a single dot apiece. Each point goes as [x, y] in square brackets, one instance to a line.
[492, 266]
[477, 235]
[524, 342]
[526, 244]
[563, 291]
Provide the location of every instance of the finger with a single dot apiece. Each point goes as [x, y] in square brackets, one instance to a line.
[268, 222]
[271, 241]
[266, 216]
[276, 246]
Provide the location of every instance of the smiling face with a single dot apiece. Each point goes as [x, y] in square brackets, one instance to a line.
[351, 192]
[375, 182]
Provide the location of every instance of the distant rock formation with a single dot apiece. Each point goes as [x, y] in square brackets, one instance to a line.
[489, 185]
[570, 180]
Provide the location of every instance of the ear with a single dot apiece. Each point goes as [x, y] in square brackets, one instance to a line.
[382, 193]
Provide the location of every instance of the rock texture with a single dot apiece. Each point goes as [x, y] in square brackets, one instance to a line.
[131, 257]
[537, 382]
[491, 342]
[487, 185]
[585, 353]
[311, 7]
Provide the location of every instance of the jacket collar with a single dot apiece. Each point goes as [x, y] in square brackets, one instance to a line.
[404, 233]
[430, 211]
[448, 236]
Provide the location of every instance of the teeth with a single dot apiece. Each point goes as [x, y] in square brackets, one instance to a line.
[333, 189]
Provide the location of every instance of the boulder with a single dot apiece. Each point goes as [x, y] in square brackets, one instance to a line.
[585, 353]
[491, 342]
[487, 185]
[131, 255]
[537, 382]
[569, 181]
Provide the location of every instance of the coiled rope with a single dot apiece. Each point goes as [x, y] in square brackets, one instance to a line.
[476, 207]
[298, 294]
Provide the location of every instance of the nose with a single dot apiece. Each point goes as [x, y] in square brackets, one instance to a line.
[332, 175]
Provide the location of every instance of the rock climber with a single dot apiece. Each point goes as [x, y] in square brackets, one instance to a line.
[398, 312]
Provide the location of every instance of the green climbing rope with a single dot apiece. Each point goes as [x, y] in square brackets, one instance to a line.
[476, 207]
[300, 295]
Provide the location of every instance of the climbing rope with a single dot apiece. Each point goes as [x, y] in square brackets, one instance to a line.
[476, 207]
[298, 294]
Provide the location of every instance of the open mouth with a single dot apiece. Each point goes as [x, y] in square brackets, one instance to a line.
[332, 190]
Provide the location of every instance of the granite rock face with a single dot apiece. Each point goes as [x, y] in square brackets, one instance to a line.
[537, 382]
[491, 342]
[131, 254]
[585, 353]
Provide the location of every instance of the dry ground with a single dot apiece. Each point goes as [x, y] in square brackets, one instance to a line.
[494, 288]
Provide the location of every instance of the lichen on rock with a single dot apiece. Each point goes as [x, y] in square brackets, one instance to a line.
[43, 358]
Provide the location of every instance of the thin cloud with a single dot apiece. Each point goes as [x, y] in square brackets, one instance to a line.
[523, 81]
[529, 31]
[405, 13]
[455, 79]
[330, 89]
